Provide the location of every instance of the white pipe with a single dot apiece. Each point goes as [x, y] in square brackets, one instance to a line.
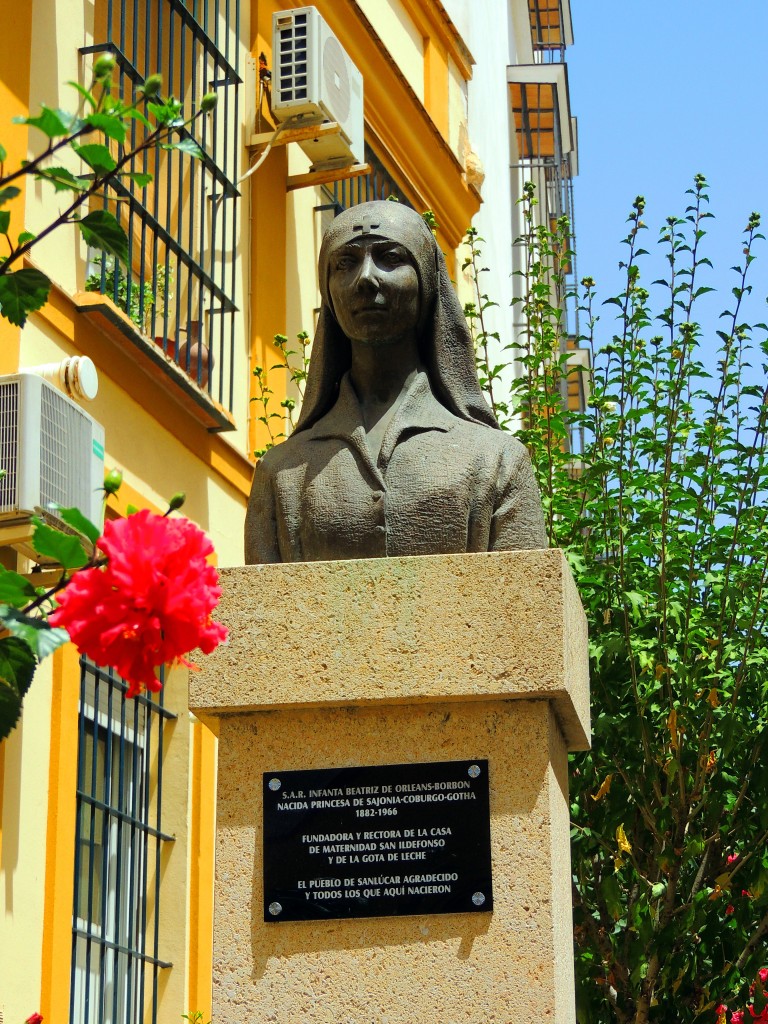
[76, 376]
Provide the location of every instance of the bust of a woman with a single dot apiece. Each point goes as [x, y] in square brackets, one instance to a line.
[396, 451]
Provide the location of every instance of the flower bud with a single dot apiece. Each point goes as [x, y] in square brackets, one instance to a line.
[177, 501]
[208, 102]
[103, 67]
[152, 85]
[112, 481]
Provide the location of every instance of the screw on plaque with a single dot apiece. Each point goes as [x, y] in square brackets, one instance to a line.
[477, 898]
[276, 908]
[473, 771]
[274, 785]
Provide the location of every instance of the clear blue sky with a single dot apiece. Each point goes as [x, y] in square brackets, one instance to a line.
[664, 89]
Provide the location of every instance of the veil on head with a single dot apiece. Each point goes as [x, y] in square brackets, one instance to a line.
[445, 343]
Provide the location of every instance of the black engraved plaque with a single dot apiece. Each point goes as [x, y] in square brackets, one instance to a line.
[377, 841]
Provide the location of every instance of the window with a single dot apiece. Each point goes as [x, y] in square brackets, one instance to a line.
[379, 184]
[115, 956]
[179, 284]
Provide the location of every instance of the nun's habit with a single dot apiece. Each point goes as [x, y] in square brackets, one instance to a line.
[446, 480]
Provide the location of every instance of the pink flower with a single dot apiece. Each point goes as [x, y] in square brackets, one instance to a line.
[152, 602]
[729, 860]
[737, 1017]
[763, 974]
[35, 1018]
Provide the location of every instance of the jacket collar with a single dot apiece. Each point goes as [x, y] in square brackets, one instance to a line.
[419, 411]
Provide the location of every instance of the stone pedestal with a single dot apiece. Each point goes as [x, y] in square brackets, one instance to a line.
[389, 661]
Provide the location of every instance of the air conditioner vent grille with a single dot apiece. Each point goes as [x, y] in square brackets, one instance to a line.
[9, 443]
[336, 77]
[292, 72]
[63, 430]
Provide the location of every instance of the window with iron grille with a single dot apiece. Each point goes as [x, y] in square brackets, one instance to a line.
[377, 184]
[116, 959]
[179, 284]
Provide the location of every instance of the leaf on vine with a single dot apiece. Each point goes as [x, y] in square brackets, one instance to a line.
[142, 180]
[87, 96]
[97, 157]
[21, 293]
[186, 145]
[50, 122]
[8, 193]
[5, 220]
[111, 124]
[74, 517]
[14, 589]
[101, 230]
[62, 179]
[3, 154]
[67, 550]
[39, 636]
[26, 236]
[10, 707]
[17, 663]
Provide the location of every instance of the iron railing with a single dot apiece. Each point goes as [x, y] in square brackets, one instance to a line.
[179, 283]
[116, 917]
[377, 184]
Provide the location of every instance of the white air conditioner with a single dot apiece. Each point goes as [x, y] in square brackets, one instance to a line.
[314, 81]
[52, 451]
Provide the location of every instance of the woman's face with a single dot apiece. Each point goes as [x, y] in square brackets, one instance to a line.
[374, 289]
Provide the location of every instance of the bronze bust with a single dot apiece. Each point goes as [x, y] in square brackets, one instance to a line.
[396, 451]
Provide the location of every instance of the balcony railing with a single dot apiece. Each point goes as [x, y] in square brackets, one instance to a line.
[179, 284]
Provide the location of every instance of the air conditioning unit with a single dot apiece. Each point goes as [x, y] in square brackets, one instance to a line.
[52, 451]
[315, 81]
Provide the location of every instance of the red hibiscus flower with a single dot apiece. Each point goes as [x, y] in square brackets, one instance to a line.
[737, 1017]
[35, 1018]
[151, 603]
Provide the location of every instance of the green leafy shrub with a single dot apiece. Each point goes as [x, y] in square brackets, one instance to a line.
[664, 519]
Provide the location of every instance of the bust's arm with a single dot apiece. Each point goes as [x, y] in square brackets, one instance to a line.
[261, 543]
[518, 518]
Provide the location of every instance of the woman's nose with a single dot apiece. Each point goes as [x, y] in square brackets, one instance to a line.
[368, 273]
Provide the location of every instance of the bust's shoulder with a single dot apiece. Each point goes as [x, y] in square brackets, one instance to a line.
[498, 443]
[282, 455]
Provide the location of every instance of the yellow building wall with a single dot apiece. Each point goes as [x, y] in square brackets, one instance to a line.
[401, 37]
[163, 447]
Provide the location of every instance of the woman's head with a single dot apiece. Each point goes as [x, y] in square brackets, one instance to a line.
[443, 337]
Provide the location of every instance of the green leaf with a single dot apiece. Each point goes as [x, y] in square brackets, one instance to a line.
[3, 154]
[74, 517]
[101, 230]
[87, 96]
[186, 145]
[112, 125]
[142, 180]
[66, 549]
[52, 123]
[41, 638]
[5, 220]
[21, 293]
[96, 156]
[10, 704]
[137, 115]
[62, 179]
[8, 193]
[26, 236]
[17, 663]
[14, 589]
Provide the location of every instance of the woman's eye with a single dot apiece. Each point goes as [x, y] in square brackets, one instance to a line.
[392, 259]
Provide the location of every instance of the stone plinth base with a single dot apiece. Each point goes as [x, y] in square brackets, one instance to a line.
[384, 662]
